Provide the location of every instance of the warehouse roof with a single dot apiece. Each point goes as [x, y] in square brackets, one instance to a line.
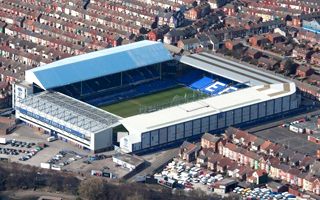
[69, 112]
[230, 69]
[186, 112]
[98, 63]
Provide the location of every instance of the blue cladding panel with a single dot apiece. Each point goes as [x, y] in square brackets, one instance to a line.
[50, 122]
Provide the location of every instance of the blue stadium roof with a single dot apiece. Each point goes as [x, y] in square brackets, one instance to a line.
[98, 63]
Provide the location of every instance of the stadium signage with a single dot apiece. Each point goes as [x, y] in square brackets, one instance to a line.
[52, 123]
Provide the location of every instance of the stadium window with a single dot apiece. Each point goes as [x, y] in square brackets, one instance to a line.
[220, 115]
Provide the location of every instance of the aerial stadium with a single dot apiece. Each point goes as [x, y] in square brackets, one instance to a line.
[156, 100]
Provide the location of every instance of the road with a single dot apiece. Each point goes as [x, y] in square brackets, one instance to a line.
[269, 53]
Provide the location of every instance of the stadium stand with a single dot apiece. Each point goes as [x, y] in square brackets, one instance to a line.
[129, 91]
[190, 77]
[203, 82]
[212, 86]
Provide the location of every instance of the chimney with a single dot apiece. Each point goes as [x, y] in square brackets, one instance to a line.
[318, 122]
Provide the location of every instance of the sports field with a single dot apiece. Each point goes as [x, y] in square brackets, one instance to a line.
[153, 101]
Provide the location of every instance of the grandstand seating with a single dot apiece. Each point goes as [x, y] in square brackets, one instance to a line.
[128, 92]
[212, 87]
[138, 75]
[106, 90]
[190, 77]
[205, 81]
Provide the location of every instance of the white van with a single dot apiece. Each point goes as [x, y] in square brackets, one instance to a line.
[51, 139]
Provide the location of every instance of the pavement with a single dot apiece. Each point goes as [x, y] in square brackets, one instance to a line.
[106, 164]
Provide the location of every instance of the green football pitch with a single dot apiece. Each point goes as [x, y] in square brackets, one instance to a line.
[157, 100]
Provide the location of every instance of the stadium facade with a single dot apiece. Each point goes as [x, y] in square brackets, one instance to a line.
[265, 96]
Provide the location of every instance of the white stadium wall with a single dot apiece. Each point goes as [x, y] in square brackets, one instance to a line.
[102, 140]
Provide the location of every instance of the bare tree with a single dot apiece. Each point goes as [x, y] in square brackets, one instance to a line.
[92, 189]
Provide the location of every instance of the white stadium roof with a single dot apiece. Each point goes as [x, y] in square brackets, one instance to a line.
[98, 63]
[173, 115]
[70, 112]
[230, 70]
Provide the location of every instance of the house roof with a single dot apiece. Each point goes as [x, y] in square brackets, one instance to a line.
[230, 131]
[190, 41]
[265, 145]
[294, 171]
[303, 68]
[258, 141]
[189, 147]
[211, 137]
[225, 162]
[297, 157]
[267, 61]
[314, 77]
[284, 167]
[274, 147]
[214, 158]
[98, 64]
[261, 172]
[274, 185]
[231, 146]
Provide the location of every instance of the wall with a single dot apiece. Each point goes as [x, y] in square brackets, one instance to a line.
[20, 92]
[102, 140]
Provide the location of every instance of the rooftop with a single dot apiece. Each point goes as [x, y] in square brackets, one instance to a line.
[73, 113]
[231, 70]
[131, 159]
[97, 64]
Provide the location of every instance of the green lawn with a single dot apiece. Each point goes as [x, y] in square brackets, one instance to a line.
[161, 99]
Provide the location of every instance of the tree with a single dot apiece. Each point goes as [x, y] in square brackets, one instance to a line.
[70, 184]
[194, 4]
[289, 66]
[92, 189]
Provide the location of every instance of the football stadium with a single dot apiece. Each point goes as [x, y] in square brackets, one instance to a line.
[155, 99]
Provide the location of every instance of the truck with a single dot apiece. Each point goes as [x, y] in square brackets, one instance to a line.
[51, 139]
[3, 141]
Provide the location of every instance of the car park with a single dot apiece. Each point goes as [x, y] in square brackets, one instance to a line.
[262, 193]
[187, 173]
